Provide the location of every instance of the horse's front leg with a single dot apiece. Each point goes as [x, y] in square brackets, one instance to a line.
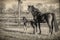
[39, 28]
[32, 24]
[35, 28]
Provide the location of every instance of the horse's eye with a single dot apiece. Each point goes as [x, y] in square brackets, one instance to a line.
[29, 6]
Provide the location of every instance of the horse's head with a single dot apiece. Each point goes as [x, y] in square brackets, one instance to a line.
[34, 11]
[30, 8]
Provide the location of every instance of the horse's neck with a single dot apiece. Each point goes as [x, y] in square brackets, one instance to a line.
[35, 12]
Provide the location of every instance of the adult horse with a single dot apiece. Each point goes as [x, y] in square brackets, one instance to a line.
[48, 18]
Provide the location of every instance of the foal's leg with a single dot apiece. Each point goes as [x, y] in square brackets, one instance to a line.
[25, 27]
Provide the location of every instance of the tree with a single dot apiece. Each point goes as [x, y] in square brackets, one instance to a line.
[2, 6]
[19, 9]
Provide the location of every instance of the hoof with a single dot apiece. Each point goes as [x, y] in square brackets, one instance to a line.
[39, 33]
[33, 32]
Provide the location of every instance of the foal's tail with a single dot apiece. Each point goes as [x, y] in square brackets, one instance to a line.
[55, 23]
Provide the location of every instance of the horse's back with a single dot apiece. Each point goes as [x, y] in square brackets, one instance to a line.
[46, 16]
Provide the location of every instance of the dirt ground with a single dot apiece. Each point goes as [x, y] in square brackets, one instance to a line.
[20, 34]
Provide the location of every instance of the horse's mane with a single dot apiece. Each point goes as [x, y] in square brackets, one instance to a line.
[36, 10]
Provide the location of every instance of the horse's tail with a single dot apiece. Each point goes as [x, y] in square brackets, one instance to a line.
[55, 23]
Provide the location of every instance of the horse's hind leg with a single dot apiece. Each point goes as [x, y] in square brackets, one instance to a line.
[49, 20]
[50, 24]
[50, 27]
